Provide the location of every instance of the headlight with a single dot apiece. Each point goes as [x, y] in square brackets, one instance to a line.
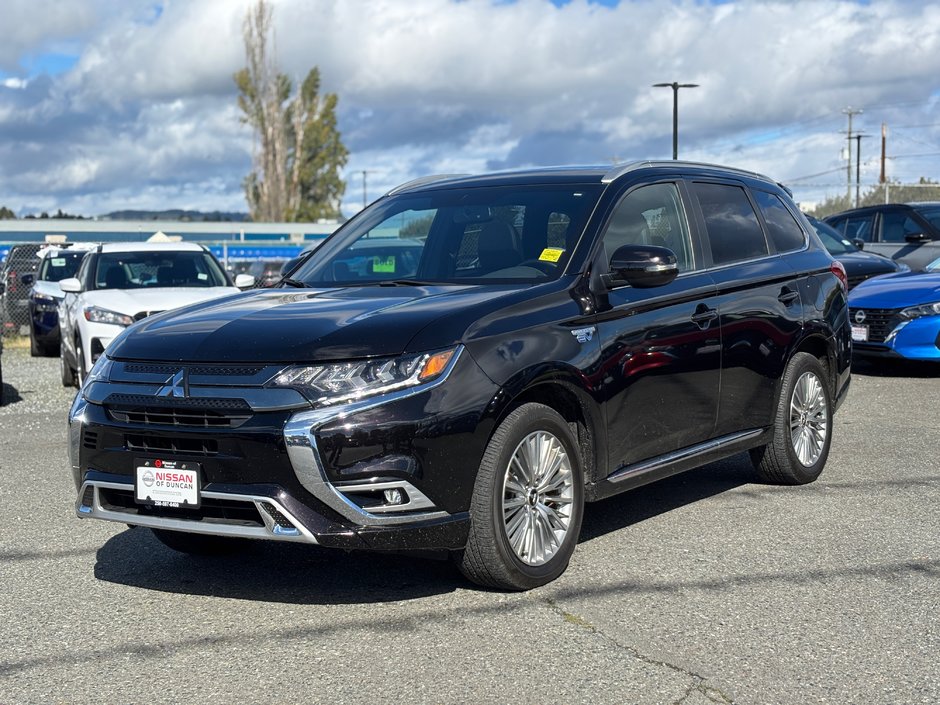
[103, 315]
[43, 298]
[100, 371]
[921, 311]
[344, 381]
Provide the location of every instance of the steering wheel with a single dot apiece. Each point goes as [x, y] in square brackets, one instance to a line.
[541, 265]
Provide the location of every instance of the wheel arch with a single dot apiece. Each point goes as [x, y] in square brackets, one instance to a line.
[558, 388]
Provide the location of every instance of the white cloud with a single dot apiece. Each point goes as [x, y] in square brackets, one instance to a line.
[148, 110]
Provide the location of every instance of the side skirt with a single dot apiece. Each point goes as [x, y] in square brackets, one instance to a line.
[653, 469]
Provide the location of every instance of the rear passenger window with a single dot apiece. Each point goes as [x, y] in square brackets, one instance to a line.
[785, 233]
[733, 229]
[897, 225]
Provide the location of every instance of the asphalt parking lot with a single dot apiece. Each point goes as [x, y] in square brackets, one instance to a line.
[704, 588]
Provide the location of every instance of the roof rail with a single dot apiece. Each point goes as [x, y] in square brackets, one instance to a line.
[423, 181]
[622, 169]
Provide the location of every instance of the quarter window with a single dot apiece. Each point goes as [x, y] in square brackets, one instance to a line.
[733, 229]
[785, 233]
[651, 215]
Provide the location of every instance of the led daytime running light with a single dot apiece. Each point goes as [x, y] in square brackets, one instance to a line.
[343, 381]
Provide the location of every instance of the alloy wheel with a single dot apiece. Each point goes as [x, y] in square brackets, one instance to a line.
[809, 418]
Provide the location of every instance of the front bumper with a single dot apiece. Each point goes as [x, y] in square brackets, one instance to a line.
[918, 339]
[382, 473]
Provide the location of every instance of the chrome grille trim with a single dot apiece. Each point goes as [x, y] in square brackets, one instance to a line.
[271, 529]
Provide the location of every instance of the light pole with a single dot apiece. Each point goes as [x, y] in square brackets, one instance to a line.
[675, 86]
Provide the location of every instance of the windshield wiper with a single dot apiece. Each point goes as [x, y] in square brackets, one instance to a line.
[293, 282]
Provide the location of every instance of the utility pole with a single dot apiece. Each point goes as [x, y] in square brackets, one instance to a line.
[365, 199]
[675, 86]
[850, 111]
[884, 139]
[858, 164]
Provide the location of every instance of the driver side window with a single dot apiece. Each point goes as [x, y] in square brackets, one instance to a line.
[651, 215]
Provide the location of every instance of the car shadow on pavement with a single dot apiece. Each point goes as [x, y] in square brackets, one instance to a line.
[274, 572]
[9, 394]
[664, 496]
[895, 368]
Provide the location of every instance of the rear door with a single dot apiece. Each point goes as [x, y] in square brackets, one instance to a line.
[758, 302]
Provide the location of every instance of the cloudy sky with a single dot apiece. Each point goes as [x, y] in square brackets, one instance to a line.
[106, 105]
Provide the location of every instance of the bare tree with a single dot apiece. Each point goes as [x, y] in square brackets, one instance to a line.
[298, 152]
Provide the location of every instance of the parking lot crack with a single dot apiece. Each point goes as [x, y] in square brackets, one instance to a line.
[699, 682]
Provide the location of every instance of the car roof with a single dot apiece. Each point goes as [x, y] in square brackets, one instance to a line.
[53, 250]
[598, 174]
[151, 247]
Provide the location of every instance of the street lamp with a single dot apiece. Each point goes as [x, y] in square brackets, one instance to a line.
[675, 111]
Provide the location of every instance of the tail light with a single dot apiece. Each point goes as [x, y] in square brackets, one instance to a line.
[837, 269]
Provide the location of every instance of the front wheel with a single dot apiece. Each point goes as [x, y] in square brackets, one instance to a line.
[66, 373]
[528, 500]
[802, 426]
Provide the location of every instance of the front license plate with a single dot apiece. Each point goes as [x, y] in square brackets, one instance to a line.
[860, 333]
[167, 483]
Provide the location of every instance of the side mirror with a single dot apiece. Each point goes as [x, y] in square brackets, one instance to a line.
[71, 286]
[244, 281]
[642, 266]
[916, 237]
[28, 278]
[858, 242]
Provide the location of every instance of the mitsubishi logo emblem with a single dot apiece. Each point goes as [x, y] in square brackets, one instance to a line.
[175, 386]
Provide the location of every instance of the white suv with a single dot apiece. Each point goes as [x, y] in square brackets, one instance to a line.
[121, 283]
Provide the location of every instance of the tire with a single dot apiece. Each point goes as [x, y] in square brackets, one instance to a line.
[802, 426]
[200, 544]
[34, 350]
[80, 370]
[66, 373]
[522, 532]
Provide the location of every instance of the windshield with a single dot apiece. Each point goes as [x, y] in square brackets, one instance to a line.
[491, 235]
[832, 240]
[138, 270]
[59, 266]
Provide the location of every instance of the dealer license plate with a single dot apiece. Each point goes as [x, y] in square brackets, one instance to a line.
[859, 333]
[167, 483]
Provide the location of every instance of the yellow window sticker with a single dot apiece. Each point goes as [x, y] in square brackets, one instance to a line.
[551, 254]
[383, 265]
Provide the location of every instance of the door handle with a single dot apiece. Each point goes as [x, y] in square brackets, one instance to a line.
[788, 296]
[703, 316]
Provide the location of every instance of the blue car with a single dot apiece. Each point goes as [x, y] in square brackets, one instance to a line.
[898, 315]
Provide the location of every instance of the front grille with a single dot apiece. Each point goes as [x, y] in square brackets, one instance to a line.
[174, 411]
[211, 509]
[880, 321]
[143, 314]
[143, 368]
[855, 281]
[167, 446]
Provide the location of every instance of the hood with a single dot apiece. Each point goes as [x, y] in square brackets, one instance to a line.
[134, 301]
[866, 263]
[301, 325]
[897, 291]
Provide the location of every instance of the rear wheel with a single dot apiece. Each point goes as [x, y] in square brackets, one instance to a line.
[802, 426]
[528, 500]
[200, 544]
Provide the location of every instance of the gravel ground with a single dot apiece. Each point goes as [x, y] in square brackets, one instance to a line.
[703, 588]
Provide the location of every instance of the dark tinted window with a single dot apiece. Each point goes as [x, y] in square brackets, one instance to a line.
[856, 228]
[142, 269]
[59, 266]
[897, 225]
[785, 232]
[733, 229]
[931, 213]
[652, 215]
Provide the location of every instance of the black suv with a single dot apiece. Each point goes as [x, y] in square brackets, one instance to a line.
[908, 232]
[563, 335]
